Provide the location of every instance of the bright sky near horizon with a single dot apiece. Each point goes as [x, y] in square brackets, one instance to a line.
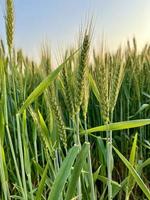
[58, 21]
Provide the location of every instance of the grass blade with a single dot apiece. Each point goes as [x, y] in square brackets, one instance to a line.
[81, 159]
[41, 184]
[63, 174]
[118, 126]
[134, 174]
[131, 181]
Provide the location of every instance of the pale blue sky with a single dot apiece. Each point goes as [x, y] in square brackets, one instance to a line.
[58, 21]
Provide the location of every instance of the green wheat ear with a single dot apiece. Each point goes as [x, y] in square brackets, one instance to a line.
[101, 75]
[80, 83]
[68, 94]
[9, 23]
[86, 95]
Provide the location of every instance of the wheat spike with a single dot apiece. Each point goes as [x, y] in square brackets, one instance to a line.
[68, 93]
[85, 99]
[101, 76]
[81, 73]
[60, 123]
[9, 23]
[116, 80]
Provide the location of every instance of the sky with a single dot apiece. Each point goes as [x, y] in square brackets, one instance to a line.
[58, 22]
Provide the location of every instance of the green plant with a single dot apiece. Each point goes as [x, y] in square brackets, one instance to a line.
[69, 132]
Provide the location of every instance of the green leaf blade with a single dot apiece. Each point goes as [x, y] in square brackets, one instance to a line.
[134, 174]
[81, 158]
[63, 174]
[118, 126]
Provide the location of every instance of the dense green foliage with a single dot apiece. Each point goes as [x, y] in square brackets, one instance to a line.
[79, 131]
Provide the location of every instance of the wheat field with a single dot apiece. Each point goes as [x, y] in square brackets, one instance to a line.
[79, 131]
